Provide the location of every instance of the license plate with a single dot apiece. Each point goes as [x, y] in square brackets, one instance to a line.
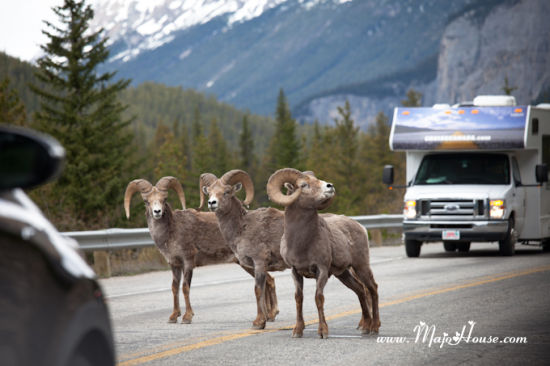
[450, 235]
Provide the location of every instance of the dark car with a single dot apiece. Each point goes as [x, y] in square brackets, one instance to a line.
[52, 310]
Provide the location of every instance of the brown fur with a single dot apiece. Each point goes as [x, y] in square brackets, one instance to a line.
[253, 236]
[317, 247]
[186, 238]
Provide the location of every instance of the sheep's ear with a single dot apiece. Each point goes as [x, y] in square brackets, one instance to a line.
[237, 187]
[205, 189]
[289, 188]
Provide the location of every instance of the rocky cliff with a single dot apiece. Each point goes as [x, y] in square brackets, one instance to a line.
[479, 49]
[512, 42]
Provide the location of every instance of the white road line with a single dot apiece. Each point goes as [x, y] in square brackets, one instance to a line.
[285, 273]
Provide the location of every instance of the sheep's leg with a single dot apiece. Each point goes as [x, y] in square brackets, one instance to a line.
[188, 265]
[271, 299]
[322, 278]
[176, 279]
[259, 290]
[270, 296]
[352, 283]
[366, 276]
[298, 330]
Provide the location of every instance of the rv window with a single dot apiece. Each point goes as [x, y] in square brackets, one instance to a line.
[464, 168]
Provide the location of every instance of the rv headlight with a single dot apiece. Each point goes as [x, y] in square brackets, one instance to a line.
[409, 211]
[496, 209]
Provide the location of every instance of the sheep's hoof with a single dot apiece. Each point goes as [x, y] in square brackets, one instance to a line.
[258, 326]
[298, 332]
[370, 327]
[187, 318]
[174, 318]
[323, 332]
[271, 317]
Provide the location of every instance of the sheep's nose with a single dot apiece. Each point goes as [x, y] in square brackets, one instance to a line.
[156, 212]
[330, 185]
[212, 202]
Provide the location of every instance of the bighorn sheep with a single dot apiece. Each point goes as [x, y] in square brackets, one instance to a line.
[318, 247]
[184, 237]
[254, 236]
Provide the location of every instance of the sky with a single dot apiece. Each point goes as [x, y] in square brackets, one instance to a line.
[21, 26]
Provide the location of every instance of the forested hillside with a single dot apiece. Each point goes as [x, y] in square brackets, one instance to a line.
[184, 133]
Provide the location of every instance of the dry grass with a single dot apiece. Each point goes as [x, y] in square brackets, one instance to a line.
[126, 261]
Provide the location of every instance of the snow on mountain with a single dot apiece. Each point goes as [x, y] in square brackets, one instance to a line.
[148, 24]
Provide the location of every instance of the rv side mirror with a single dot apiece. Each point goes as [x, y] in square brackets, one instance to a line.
[387, 174]
[541, 173]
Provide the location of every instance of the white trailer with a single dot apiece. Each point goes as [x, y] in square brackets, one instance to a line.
[475, 173]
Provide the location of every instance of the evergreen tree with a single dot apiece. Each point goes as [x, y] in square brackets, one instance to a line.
[246, 146]
[220, 158]
[169, 155]
[12, 111]
[414, 99]
[81, 109]
[507, 88]
[374, 154]
[284, 149]
[345, 167]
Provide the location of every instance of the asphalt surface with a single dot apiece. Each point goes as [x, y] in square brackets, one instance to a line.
[442, 308]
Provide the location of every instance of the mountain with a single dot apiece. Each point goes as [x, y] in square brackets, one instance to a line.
[324, 52]
[152, 103]
[304, 47]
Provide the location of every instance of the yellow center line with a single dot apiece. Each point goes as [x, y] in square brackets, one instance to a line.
[247, 333]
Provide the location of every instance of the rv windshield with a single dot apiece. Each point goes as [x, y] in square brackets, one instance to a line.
[463, 169]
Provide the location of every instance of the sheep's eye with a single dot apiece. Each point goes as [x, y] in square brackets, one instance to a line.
[304, 185]
[226, 193]
[146, 203]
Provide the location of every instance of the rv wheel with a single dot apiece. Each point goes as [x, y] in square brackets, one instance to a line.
[449, 246]
[546, 245]
[507, 246]
[412, 247]
[463, 247]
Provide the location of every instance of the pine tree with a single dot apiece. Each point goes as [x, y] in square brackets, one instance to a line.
[284, 149]
[80, 108]
[414, 99]
[12, 110]
[345, 165]
[507, 88]
[220, 158]
[375, 153]
[169, 156]
[246, 146]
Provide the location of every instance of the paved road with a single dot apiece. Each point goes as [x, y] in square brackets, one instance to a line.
[424, 303]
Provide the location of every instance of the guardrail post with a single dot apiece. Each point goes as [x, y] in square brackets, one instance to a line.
[376, 237]
[102, 263]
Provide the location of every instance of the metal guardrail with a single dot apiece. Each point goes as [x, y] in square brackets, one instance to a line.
[138, 238]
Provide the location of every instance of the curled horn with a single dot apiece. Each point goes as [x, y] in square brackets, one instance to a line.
[205, 180]
[237, 175]
[166, 183]
[276, 181]
[134, 186]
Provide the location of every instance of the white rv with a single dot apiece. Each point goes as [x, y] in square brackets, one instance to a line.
[475, 173]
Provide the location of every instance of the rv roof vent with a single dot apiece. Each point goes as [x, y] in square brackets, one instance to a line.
[543, 105]
[441, 106]
[494, 100]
